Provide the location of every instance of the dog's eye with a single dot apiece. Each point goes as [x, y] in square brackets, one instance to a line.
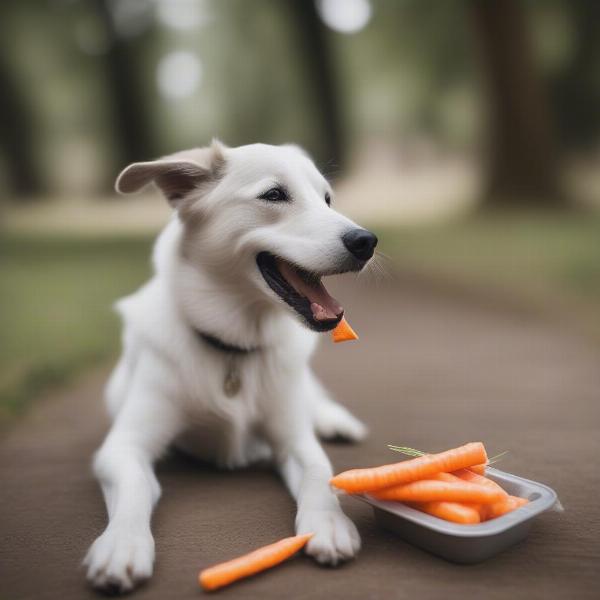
[275, 194]
[328, 198]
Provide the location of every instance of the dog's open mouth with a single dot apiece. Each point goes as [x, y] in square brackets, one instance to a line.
[302, 290]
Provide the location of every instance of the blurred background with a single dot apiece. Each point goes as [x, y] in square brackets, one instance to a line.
[465, 133]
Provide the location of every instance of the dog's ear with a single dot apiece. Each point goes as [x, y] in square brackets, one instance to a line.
[176, 175]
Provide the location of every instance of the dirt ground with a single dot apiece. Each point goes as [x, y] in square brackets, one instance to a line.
[432, 370]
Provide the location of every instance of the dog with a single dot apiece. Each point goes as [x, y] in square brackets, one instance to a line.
[216, 346]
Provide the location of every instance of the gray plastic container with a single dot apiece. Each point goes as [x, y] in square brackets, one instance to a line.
[468, 543]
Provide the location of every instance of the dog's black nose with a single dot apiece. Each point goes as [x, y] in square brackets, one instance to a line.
[360, 242]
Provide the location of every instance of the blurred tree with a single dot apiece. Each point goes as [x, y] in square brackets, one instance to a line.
[523, 156]
[17, 136]
[311, 38]
[576, 88]
[127, 97]
[279, 85]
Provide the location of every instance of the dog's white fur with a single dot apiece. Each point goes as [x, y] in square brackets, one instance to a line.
[168, 385]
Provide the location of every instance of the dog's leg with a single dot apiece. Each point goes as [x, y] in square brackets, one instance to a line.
[306, 471]
[117, 387]
[123, 555]
[331, 419]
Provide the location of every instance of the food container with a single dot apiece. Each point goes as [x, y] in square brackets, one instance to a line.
[468, 543]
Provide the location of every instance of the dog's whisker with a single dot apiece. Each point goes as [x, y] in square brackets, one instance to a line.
[383, 263]
[370, 274]
[376, 270]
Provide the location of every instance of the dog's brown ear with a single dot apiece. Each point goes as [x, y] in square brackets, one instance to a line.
[176, 175]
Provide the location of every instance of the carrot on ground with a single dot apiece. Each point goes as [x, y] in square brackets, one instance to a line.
[449, 511]
[422, 467]
[432, 490]
[343, 332]
[249, 564]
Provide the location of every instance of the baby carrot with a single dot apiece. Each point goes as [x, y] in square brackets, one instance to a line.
[343, 332]
[449, 511]
[430, 490]
[249, 564]
[422, 467]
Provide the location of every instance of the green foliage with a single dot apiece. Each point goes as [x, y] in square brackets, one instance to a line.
[55, 308]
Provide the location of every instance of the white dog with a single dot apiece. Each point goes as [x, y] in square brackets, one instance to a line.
[217, 344]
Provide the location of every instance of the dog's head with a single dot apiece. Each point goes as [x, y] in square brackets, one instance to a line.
[260, 218]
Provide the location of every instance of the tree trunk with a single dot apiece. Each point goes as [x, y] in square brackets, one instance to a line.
[311, 39]
[17, 137]
[128, 105]
[522, 154]
[575, 92]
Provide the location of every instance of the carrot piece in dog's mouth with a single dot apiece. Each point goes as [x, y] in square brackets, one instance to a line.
[343, 332]
[322, 304]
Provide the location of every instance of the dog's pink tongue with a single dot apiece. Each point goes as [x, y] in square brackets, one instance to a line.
[322, 304]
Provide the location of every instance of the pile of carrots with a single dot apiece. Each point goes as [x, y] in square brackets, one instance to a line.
[450, 485]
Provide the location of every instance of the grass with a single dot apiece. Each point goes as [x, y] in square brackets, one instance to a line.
[545, 259]
[55, 308]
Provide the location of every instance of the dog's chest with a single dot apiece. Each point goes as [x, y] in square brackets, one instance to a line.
[239, 388]
[228, 386]
[225, 411]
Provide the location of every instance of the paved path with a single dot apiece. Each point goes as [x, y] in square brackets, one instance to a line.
[431, 371]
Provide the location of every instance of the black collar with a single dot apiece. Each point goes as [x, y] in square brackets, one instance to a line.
[221, 346]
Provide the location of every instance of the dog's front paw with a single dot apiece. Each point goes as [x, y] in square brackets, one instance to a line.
[118, 561]
[332, 420]
[335, 539]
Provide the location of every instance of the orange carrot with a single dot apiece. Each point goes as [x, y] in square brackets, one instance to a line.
[343, 332]
[450, 511]
[469, 475]
[249, 564]
[451, 477]
[431, 490]
[422, 467]
[497, 509]
[479, 469]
